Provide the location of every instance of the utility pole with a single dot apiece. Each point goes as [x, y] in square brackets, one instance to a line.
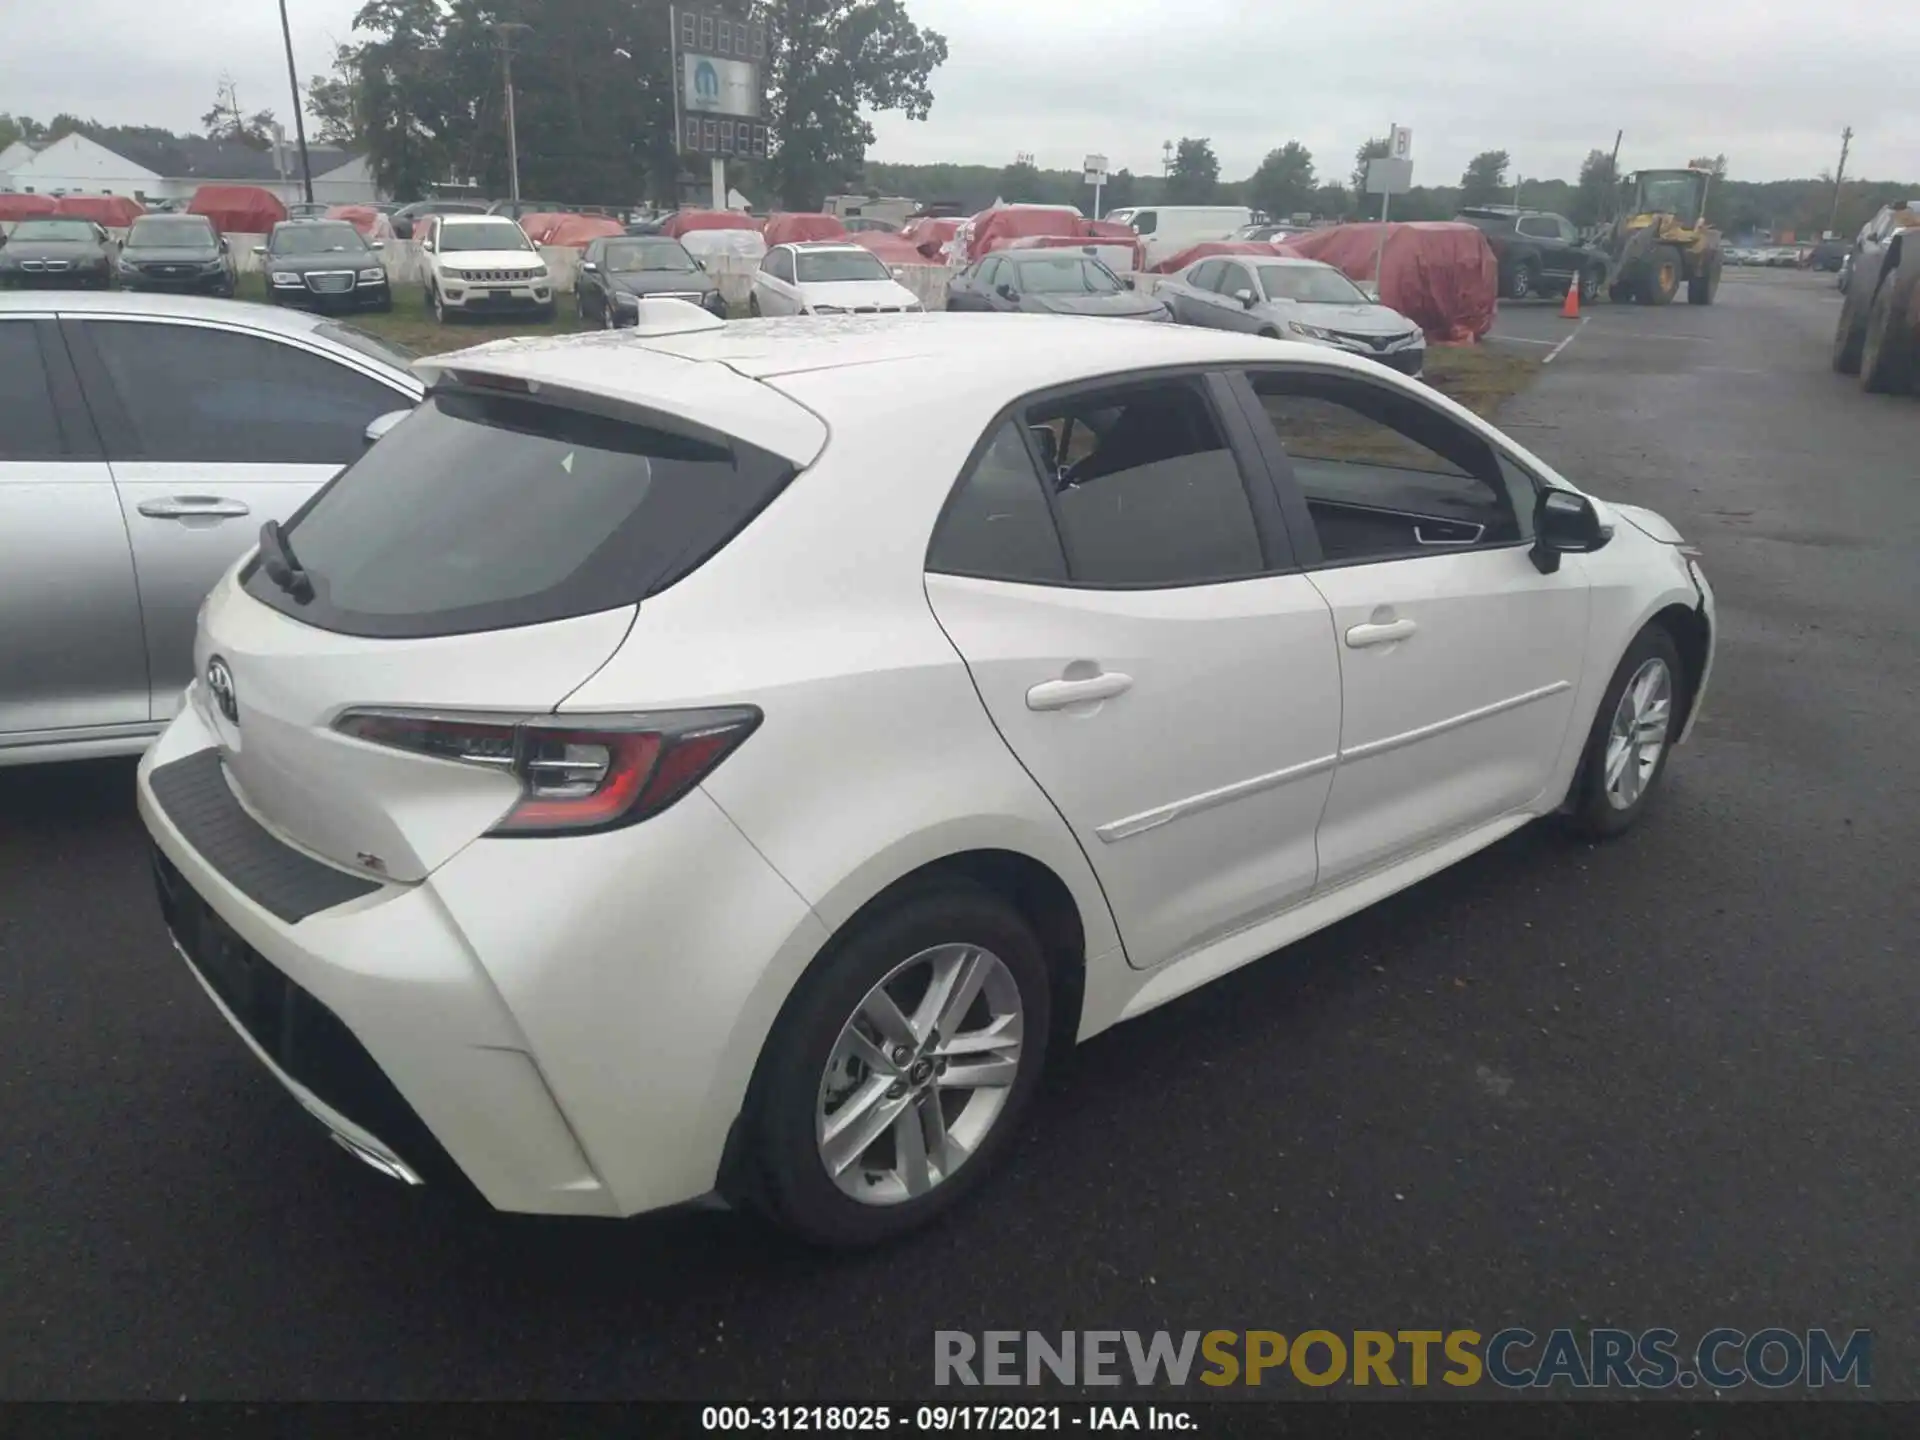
[506, 30]
[299, 125]
[1840, 175]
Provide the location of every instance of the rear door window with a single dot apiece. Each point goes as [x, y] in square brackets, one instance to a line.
[483, 511]
[29, 428]
[195, 393]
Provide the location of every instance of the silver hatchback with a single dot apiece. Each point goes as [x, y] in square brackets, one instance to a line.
[144, 440]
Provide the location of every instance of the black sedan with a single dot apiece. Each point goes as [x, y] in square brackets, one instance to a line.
[57, 250]
[323, 265]
[618, 269]
[1048, 282]
[179, 253]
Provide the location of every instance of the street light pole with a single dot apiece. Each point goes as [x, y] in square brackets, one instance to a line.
[506, 29]
[299, 124]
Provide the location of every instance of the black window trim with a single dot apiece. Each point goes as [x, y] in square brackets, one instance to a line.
[1275, 535]
[1293, 500]
[116, 429]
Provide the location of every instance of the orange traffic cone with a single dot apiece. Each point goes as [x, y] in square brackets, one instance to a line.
[1571, 310]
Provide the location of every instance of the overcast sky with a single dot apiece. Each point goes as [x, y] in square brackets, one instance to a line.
[1769, 84]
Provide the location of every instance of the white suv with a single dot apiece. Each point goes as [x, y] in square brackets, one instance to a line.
[731, 757]
[483, 265]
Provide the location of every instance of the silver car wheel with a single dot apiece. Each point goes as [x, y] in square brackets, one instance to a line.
[920, 1074]
[1638, 735]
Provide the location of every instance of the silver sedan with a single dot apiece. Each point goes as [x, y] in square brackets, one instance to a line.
[144, 441]
[1293, 299]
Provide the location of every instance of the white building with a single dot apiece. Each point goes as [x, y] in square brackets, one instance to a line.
[174, 169]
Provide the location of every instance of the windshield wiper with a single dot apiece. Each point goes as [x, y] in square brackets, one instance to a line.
[276, 558]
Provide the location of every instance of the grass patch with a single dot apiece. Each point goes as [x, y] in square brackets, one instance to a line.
[412, 324]
[1480, 377]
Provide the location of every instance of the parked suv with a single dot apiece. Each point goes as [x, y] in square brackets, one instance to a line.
[1539, 252]
[1878, 336]
[483, 265]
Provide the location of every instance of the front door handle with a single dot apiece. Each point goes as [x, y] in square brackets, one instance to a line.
[1361, 636]
[193, 507]
[1058, 694]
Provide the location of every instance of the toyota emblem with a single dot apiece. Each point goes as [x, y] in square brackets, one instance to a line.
[220, 682]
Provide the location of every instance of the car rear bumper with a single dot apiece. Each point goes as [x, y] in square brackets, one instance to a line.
[528, 1021]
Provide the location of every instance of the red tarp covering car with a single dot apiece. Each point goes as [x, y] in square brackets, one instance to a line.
[683, 222]
[116, 212]
[1208, 248]
[238, 209]
[792, 227]
[577, 230]
[892, 249]
[1115, 252]
[370, 222]
[539, 224]
[930, 234]
[1010, 222]
[25, 207]
[1440, 274]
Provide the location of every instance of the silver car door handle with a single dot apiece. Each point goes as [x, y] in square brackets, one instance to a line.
[193, 507]
[1058, 694]
[1361, 636]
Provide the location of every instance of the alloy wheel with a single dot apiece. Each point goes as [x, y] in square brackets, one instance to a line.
[1637, 736]
[919, 1075]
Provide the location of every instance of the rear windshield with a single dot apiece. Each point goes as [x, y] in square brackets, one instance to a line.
[482, 512]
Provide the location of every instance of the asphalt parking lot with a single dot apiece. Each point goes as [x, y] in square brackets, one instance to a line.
[1670, 1081]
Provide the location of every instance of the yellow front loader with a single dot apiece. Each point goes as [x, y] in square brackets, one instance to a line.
[1662, 241]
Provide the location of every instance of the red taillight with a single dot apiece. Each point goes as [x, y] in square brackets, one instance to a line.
[576, 773]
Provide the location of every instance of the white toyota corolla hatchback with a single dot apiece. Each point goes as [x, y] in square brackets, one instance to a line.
[725, 759]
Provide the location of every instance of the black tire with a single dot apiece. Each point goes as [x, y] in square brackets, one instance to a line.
[1850, 335]
[1521, 279]
[1620, 291]
[1886, 353]
[1703, 287]
[782, 1171]
[441, 315]
[1267, 332]
[1591, 811]
[1659, 279]
[753, 305]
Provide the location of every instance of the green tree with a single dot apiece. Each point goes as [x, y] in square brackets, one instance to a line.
[226, 120]
[1020, 183]
[829, 60]
[1120, 191]
[1592, 201]
[1376, 148]
[20, 127]
[330, 102]
[1485, 179]
[1195, 174]
[1283, 183]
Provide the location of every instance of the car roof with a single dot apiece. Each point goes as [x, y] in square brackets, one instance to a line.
[779, 383]
[464, 218]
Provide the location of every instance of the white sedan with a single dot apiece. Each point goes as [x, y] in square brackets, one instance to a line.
[753, 814]
[827, 277]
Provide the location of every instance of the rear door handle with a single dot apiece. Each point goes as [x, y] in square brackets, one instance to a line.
[1058, 694]
[1361, 636]
[193, 507]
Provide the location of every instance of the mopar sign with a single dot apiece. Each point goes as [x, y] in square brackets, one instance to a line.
[718, 65]
[711, 85]
[706, 84]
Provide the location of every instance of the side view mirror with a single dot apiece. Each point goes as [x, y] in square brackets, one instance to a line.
[1007, 292]
[381, 424]
[376, 244]
[1049, 445]
[1565, 523]
[590, 267]
[260, 250]
[1245, 297]
[224, 247]
[1127, 280]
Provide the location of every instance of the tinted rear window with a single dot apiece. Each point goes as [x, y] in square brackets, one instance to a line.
[481, 512]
